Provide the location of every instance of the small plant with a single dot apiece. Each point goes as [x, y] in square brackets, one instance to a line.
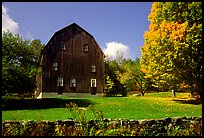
[79, 114]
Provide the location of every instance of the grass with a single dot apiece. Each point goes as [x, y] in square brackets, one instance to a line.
[150, 106]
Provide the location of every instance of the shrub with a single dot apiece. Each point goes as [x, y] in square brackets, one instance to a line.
[86, 128]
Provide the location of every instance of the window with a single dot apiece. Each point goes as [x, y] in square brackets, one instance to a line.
[86, 48]
[73, 82]
[60, 81]
[93, 68]
[62, 46]
[93, 82]
[54, 66]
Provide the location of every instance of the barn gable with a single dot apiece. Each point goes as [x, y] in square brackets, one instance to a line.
[75, 29]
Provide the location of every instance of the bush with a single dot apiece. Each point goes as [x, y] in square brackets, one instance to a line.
[86, 128]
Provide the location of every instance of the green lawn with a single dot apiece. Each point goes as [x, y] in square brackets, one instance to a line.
[151, 106]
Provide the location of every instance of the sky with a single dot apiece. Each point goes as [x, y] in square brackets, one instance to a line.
[118, 27]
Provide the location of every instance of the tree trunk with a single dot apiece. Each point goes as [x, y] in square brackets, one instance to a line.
[173, 93]
[191, 94]
[142, 91]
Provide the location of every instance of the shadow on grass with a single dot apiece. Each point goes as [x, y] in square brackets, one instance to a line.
[45, 103]
[195, 102]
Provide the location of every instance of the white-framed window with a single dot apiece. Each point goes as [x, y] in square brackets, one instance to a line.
[93, 82]
[93, 68]
[60, 81]
[86, 48]
[62, 45]
[73, 82]
[54, 66]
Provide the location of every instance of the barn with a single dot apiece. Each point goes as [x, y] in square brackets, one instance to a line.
[72, 62]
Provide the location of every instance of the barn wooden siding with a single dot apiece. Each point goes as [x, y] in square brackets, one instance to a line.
[82, 60]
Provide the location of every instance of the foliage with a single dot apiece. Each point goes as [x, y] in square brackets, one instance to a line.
[64, 130]
[124, 75]
[187, 130]
[37, 129]
[14, 130]
[79, 114]
[172, 53]
[30, 128]
[44, 129]
[19, 63]
[112, 85]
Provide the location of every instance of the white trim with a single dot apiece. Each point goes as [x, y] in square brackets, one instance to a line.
[54, 66]
[73, 82]
[93, 68]
[93, 82]
[60, 81]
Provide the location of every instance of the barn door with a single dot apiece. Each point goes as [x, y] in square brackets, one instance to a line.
[60, 89]
[73, 84]
[93, 90]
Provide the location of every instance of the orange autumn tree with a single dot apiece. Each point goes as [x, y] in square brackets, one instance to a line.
[172, 51]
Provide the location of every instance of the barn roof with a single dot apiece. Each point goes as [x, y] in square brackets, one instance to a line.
[73, 24]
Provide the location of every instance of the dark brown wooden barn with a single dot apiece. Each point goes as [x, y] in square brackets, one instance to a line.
[72, 62]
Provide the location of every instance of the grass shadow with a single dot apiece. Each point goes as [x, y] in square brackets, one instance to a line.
[45, 103]
[195, 102]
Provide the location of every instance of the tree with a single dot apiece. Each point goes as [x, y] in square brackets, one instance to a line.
[19, 63]
[172, 51]
[112, 84]
[132, 76]
[37, 47]
[124, 75]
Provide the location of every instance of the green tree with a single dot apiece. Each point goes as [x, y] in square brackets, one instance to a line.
[36, 47]
[124, 75]
[132, 77]
[112, 83]
[172, 51]
[19, 63]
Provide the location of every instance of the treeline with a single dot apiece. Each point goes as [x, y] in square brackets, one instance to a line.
[19, 63]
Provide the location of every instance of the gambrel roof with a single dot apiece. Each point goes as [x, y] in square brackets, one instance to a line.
[67, 27]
